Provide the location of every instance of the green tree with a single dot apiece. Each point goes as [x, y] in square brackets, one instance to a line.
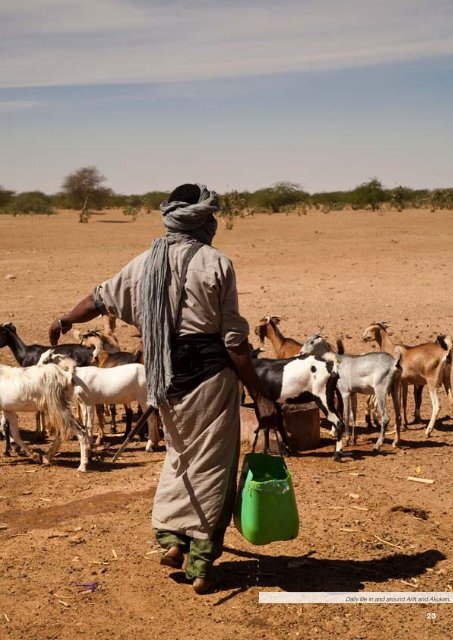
[331, 200]
[152, 200]
[5, 197]
[441, 199]
[369, 194]
[30, 203]
[278, 196]
[85, 189]
[400, 197]
[233, 204]
[133, 206]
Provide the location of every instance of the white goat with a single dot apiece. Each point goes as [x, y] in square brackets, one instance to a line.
[119, 385]
[108, 354]
[46, 388]
[370, 373]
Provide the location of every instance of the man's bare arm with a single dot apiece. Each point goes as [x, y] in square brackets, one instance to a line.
[84, 311]
[265, 408]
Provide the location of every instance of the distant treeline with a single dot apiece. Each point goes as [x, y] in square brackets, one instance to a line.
[84, 191]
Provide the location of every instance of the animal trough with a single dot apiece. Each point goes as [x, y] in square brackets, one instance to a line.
[301, 423]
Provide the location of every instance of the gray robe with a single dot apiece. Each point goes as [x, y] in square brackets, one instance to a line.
[202, 429]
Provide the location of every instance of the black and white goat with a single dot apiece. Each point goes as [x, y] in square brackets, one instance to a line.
[27, 355]
[371, 373]
[302, 379]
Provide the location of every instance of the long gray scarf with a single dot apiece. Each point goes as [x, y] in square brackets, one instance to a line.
[183, 223]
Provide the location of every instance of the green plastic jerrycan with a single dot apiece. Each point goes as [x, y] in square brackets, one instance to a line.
[266, 509]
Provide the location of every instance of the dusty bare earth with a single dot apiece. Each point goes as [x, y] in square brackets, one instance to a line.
[58, 528]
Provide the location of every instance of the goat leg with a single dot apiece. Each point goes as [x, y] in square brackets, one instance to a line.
[396, 408]
[53, 449]
[11, 418]
[382, 406]
[101, 422]
[129, 419]
[153, 432]
[418, 392]
[338, 427]
[346, 415]
[112, 408]
[435, 413]
[447, 386]
[84, 442]
[40, 427]
[82, 437]
[5, 430]
[404, 402]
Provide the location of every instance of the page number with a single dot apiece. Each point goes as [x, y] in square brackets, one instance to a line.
[431, 615]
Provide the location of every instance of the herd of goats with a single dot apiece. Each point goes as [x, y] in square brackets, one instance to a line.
[97, 375]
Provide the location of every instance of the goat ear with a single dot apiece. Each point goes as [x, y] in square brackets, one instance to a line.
[276, 319]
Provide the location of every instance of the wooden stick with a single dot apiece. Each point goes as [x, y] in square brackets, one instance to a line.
[65, 604]
[422, 480]
[390, 544]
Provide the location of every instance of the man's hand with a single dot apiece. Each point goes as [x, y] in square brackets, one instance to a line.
[84, 311]
[58, 327]
[265, 409]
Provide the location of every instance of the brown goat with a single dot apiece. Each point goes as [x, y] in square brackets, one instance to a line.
[283, 347]
[424, 364]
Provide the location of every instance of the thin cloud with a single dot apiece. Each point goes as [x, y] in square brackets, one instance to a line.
[18, 105]
[67, 42]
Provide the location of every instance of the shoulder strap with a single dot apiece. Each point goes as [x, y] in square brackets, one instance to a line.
[194, 247]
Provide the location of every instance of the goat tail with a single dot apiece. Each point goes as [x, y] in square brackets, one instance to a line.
[340, 347]
[397, 355]
[445, 342]
[331, 388]
[56, 401]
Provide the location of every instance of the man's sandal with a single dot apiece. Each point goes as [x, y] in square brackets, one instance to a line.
[173, 558]
[202, 586]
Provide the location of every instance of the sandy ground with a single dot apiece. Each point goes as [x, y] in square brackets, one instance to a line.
[338, 270]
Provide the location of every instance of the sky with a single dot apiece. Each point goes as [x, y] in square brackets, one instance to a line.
[238, 95]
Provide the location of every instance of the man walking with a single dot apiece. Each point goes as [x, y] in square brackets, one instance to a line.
[181, 295]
